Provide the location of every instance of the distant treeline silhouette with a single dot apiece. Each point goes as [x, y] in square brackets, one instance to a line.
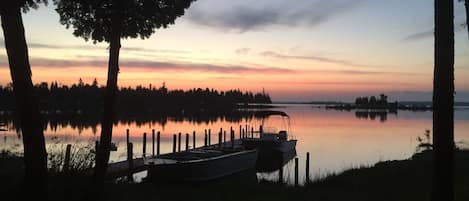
[84, 98]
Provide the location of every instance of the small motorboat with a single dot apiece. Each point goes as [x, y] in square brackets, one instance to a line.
[200, 164]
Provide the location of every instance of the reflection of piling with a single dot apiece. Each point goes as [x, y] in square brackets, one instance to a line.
[240, 132]
[158, 143]
[232, 139]
[67, 158]
[261, 130]
[130, 158]
[187, 141]
[144, 151]
[179, 142]
[246, 130]
[307, 167]
[193, 140]
[174, 143]
[153, 142]
[296, 172]
[252, 132]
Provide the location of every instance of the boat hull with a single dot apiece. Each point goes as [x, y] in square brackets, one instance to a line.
[203, 170]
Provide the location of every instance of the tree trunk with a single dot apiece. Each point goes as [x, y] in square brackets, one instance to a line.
[102, 157]
[35, 155]
[466, 3]
[443, 101]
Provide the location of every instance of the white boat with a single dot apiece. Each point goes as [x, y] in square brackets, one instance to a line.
[200, 164]
[271, 144]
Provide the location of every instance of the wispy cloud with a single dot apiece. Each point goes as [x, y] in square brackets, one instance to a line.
[313, 58]
[429, 33]
[256, 15]
[242, 51]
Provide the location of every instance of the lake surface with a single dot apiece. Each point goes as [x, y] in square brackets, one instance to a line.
[336, 140]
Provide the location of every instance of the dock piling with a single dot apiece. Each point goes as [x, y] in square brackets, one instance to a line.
[174, 143]
[219, 139]
[193, 140]
[144, 151]
[240, 132]
[153, 142]
[224, 137]
[205, 139]
[209, 136]
[179, 142]
[130, 159]
[187, 141]
[158, 143]
[127, 136]
[67, 158]
[296, 172]
[307, 167]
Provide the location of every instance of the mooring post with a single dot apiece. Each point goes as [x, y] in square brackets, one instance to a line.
[153, 142]
[224, 137]
[232, 139]
[219, 139]
[179, 142]
[205, 140]
[174, 143]
[127, 136]
[193, 140]
[187, 141]
[209, 136]
[67, 158]
[307, 167]
[144, 151]
[296, 172]
[158, 143]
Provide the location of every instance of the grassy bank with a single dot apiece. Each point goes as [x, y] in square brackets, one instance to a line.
[390, 180]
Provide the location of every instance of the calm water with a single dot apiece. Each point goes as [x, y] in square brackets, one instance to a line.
[336, 140]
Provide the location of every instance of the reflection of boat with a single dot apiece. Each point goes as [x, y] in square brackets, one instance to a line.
[272, 145]
[275, 161]
[200, 164]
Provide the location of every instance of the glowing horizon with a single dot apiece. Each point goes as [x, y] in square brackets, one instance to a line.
[336, 50]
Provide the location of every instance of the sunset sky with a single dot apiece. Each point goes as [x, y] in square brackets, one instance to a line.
[296, 50]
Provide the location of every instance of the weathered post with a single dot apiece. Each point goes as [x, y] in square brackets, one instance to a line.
[193, 140]
[158, 143]
[307, 167]
[296, 172]
[219, 139]
[179, 142]
[174, 143]
[153, 142]
[205, 140]
[67, 158]
[127, 136]
[144, 151]
[209, 136]
[187, 141]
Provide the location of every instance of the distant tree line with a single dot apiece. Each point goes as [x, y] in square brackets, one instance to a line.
[88, 98]
[374, 103]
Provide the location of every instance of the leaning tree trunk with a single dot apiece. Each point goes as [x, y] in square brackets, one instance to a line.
[443, 101]
[35, 155]
[466, 3]
[103, 152]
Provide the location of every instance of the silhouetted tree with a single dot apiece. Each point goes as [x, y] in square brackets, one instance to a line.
[35, 156]
[111, 20]
[443, 101]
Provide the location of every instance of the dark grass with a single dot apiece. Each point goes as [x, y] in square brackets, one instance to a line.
[391, 180]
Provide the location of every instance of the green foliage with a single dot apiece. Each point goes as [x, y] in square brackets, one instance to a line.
[91, 19]
[24, 4]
